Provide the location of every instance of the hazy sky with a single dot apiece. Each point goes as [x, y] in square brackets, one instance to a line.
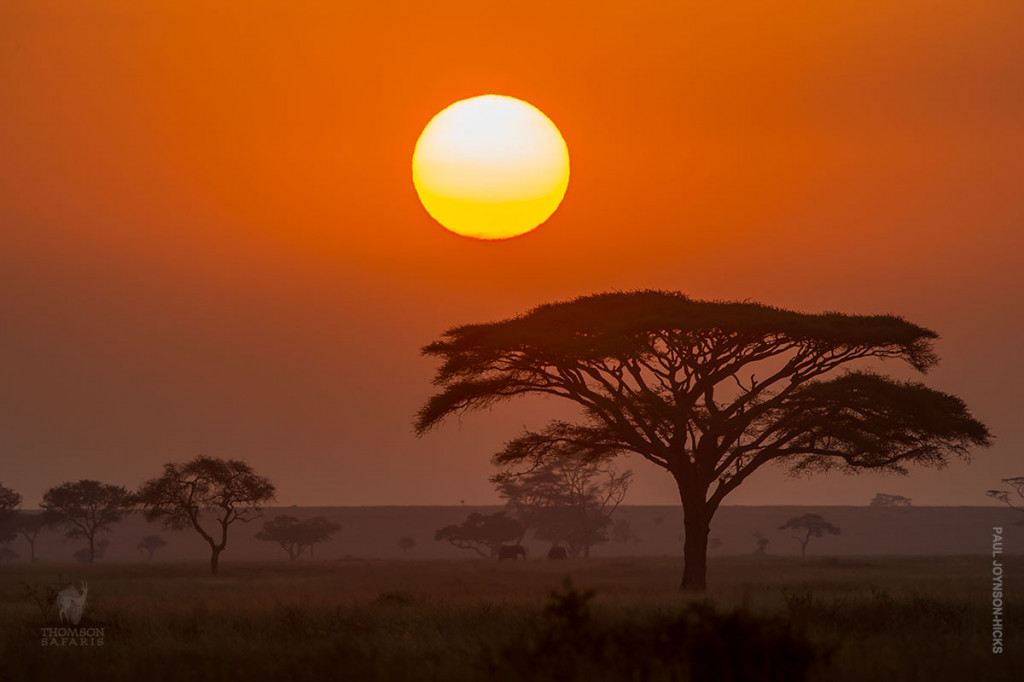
[210, 241]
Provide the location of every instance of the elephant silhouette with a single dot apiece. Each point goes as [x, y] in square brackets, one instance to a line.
[557, 552]
[512, 552]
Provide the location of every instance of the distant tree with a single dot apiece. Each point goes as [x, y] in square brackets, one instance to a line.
[149, 545]
[762, 543]
[29, 525]
[88, 555]
[86, 508]
[622, 532]
[406, 542]
[295, 536]
[479, 532]
[708, 391]
[714, 543]
[884, 500]
[229, 489]
[811, 526]
[1017, 483]
[565, 495]
[7, 554]
[10, 501]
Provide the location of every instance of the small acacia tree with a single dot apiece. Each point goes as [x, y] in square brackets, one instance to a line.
[481, 532]
[565, 497]
[406, 542]
[29, 525]
[149, 545]
[86, 508]
[886, 500]
[812, 526]
[295, 536]
[10, 501]
[229, 490]
[710, 392]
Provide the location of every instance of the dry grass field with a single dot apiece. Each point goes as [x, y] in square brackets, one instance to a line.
[764, 618]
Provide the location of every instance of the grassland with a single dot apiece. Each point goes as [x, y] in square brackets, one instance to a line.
[861, 618]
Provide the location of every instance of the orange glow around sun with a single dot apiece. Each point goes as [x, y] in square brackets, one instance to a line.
[490, 167]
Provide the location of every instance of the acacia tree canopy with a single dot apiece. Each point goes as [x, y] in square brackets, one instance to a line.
[295, 536]
[10, 501]
[479, 532]
[565, 497]
[812, 526]
[86, 508]
[708, 391]
[230, 489]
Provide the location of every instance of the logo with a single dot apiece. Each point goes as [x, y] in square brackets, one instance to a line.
[71, 603]
[70, 607]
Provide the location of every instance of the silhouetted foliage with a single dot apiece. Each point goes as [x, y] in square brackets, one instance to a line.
[85, 508]
[622, 532]
[812, 526]
[762, 543]
[30, 524]
[885, 500]
[149, 545]
[295, 536]
[88, 555]
[10, 501]
[708, 391]
[571, 643]
[229, 489]
[481, 532]
[1004, 496]
[406, 542]
[564, 496]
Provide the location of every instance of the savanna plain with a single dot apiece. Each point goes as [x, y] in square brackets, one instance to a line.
[763, 618]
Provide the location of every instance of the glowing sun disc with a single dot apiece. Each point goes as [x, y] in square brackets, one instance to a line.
[490, 167]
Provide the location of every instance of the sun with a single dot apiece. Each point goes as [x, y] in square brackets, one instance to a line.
[490, 167]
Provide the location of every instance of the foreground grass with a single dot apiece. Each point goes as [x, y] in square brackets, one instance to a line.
[863, 618]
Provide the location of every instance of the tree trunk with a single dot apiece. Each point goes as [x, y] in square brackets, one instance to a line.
[92, 549]
[214, 559]
[696, 523]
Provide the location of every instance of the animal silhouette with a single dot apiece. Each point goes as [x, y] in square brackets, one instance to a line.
[71, 602]
[557, 552]
[512, 552]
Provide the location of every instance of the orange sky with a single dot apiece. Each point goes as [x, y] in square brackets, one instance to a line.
[210, 242]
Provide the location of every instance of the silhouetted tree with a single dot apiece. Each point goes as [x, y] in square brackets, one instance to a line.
[85, 508]
[88, 555]
[229, 489]
[10, 501]
[884, 500]
[565, 497]
[812, 526]
[29, 525]
[762, 543]
[406, 543]
[295, 536]
[479, 532]
[622, 532]
[1017, 483]
[710, 392]
[149, 545]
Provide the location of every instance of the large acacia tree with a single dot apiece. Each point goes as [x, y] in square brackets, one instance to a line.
[188, 494]
[708, 391]
[85, 509]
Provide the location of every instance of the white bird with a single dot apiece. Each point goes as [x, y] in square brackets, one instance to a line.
[71, 602]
